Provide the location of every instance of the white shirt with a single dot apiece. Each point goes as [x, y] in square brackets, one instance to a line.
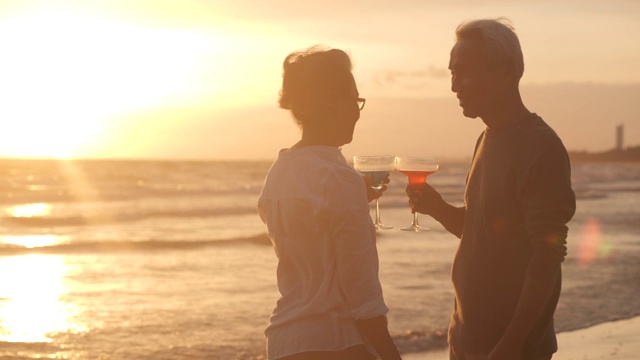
[317, 215]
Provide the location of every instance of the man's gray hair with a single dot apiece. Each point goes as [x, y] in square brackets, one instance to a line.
[500, 44]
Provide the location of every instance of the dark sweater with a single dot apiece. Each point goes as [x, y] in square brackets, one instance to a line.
[518, 201]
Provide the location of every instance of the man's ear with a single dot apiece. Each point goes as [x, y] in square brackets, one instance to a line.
[509, 73]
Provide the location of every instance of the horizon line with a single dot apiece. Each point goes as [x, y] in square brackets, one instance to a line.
[219, 159]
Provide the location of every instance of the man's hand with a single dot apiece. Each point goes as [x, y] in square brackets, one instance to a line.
[424, 199]
[372, 193]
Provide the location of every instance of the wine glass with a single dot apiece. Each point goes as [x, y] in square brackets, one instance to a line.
[378, 167]
[417, 170]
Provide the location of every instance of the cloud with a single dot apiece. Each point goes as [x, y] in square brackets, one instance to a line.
[413, 79]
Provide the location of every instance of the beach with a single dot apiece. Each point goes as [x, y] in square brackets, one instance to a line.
[611, 340]
[169, 260]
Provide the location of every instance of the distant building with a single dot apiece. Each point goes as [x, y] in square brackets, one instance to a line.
[619, 136]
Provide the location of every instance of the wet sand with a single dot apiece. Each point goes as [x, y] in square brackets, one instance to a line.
[610, 340]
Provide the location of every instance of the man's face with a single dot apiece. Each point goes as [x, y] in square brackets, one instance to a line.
[478, 89]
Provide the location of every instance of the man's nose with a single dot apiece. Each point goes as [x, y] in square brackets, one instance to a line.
[455, 84]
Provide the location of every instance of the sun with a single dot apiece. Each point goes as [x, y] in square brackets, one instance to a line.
[66, 75]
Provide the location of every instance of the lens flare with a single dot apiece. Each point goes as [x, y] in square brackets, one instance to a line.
[591, 244]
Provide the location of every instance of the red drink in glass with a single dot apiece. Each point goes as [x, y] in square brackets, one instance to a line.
[417, 177]
[417, 170]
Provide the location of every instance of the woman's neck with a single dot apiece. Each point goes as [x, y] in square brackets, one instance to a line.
[312, 139]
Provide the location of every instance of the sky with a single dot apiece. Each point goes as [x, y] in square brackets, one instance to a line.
[195, 79]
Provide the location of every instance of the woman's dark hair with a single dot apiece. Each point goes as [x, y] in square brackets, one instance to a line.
[310, 78]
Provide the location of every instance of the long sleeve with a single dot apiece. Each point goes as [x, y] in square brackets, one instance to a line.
[518, 203]
[357, 257]
[549, 204]
[317, 216]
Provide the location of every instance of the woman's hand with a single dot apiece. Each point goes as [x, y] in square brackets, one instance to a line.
[372, 193]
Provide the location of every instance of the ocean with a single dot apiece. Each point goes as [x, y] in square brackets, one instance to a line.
[115, 259]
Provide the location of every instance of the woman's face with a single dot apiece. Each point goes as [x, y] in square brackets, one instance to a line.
[347, 114]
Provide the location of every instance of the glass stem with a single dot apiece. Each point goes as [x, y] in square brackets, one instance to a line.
[415, 218]
[378, 222]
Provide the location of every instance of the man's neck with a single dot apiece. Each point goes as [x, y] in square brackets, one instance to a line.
[510, 112]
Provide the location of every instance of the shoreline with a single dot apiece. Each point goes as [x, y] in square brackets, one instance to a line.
[617, 338]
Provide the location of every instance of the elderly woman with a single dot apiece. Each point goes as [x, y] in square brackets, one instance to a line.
[316, 210]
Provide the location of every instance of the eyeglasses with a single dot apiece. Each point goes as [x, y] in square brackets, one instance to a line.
[361, 102]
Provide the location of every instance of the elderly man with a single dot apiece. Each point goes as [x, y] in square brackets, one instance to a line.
[517, 202]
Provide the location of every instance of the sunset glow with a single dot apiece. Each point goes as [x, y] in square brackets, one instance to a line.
[193, 79]
[66, 75]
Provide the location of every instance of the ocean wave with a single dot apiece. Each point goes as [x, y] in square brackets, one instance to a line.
[586, 194]
[101, 247]
[10, 349]
[409, 342]
[622, 188]
[414, 340]
[12, 195]
[107, 218]
[599, 191]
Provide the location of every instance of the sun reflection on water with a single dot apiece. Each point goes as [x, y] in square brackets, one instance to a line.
[33, 241]
[29, 210]
[33, 210]
[32, 288]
